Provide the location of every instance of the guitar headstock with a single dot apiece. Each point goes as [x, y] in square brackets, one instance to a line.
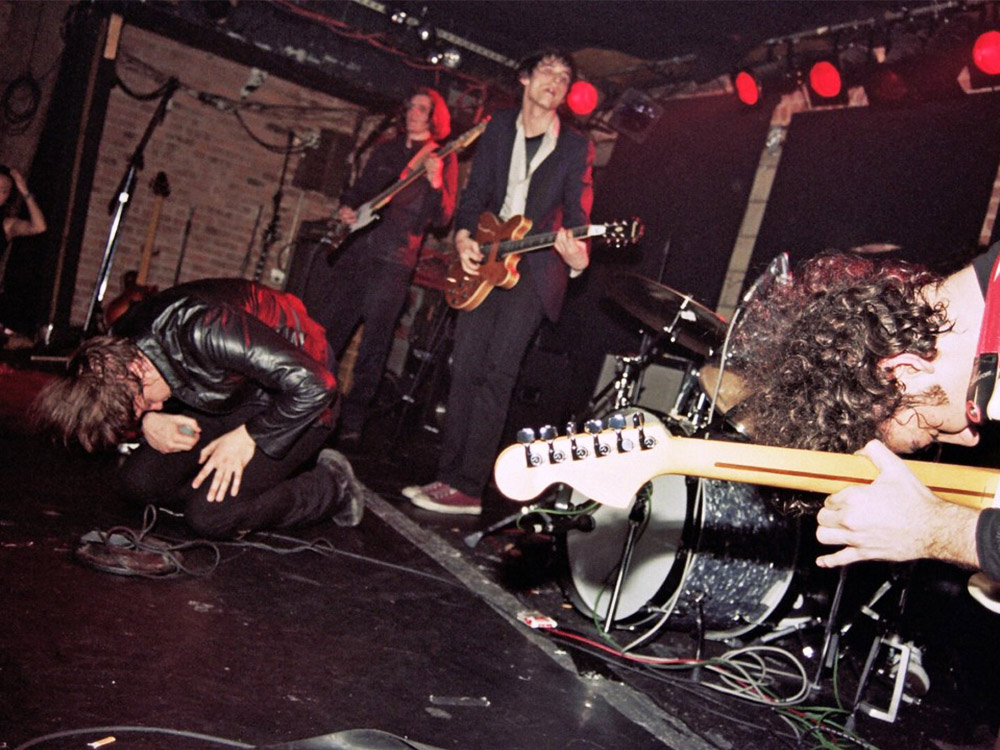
[608, 462]
[160, 185]
[621, 233]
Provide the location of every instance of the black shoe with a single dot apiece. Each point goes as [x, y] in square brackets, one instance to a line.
[350, 492]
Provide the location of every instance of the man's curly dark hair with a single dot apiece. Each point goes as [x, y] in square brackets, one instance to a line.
[809, 351]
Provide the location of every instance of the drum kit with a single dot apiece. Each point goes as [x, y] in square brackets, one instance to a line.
[708, 557]
[700, 555]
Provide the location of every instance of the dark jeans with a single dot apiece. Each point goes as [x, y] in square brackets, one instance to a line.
[359, 287]
[272, 495]
[490, 343]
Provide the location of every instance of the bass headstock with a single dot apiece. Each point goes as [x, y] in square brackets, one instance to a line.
[608, 462]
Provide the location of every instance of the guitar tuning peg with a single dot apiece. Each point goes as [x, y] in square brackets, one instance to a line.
[549, 433]
[639, 422]
[526, 436]
[595, 427]
[618, 423]
[575, 450]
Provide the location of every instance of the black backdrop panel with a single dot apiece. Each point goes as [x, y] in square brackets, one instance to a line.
[919, 177]
[689, 180]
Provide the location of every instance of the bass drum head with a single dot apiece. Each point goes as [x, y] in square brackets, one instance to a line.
[710, 553]
[594, 556]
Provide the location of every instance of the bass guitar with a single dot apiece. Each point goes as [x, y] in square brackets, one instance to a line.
[610, 464]
[366, 212]
[503, 243]
[134, 284]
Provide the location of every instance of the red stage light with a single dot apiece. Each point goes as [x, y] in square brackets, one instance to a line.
[825, 80]
[582, 98]
[747, 88]
[986, 52]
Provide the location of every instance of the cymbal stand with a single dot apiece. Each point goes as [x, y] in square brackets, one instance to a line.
[429, 357]
[624, 389]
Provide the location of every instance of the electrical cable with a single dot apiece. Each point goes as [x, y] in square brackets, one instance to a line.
[124, 729]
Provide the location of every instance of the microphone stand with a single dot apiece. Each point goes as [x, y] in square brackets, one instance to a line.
[271, 232]
[119, 204]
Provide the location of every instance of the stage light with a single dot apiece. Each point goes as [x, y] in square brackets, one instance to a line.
[986, 53]
[748, 87]
[582, 98]
[426, 33]
[451, 57]
[825, 79]
[634, 114]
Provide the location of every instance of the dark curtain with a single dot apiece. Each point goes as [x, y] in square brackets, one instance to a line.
[918, 177]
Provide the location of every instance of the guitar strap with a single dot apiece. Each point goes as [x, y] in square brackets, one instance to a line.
[414, 163]
[983, 400]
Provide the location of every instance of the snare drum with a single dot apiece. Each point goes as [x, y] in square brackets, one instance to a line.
[709, 552]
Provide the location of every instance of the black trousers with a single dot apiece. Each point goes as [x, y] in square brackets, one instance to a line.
[359, 287]
[490, 344]
[274, 493]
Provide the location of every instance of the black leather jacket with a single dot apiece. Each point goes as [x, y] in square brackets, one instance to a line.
[223, 343]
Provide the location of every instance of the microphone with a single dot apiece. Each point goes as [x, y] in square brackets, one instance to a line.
[777, 272]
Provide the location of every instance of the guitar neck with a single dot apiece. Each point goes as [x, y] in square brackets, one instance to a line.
[456, 145]
[147, 248]
[539, 241]
[825, 473]
[523, 472]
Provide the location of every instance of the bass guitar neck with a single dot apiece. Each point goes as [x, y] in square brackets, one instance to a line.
[611, 465]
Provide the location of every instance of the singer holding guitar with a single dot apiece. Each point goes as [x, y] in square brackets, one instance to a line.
[528, 162]
[859, 353]
[370, 276]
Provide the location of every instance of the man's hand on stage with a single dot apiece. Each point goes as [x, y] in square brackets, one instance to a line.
[574, 253]
[468, 252]
[226, 457]
[170, 433]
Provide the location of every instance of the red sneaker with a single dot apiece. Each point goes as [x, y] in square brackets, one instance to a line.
[445, 499]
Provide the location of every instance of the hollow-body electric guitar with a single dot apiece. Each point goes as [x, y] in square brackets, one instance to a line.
[503, 243]
[366, 213]
[611, 463]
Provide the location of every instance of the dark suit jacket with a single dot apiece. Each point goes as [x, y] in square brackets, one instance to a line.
[560, 195]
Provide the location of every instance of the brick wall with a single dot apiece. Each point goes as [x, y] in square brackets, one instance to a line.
[213, 165]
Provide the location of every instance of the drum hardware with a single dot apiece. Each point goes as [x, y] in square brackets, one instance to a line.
[712, 556]
[888, 655]
[429, 351]
[673, 316]
[638, 517]
[551, 516]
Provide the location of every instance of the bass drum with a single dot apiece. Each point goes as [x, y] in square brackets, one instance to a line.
[708, 552]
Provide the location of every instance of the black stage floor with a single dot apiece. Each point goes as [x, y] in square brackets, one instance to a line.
[403, 629]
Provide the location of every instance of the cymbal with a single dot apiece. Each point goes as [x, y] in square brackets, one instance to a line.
[662, 309]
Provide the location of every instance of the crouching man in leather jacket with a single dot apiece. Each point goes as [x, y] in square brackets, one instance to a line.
[229, 384]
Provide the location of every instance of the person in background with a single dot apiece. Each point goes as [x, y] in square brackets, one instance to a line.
[370, 278]
[528, 162]
[14, 226]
